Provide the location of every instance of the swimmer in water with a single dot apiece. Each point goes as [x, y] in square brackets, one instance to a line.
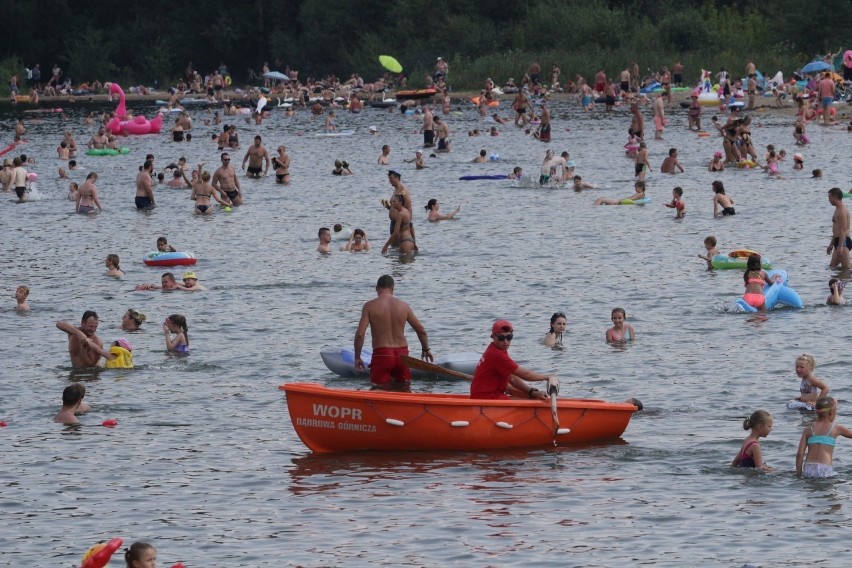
[21, 295]
[621, 330]
[72, 404]
[113, 269]
[760, 424]
[179, 342]
[558, 326]
[434, 209]
[639, 188]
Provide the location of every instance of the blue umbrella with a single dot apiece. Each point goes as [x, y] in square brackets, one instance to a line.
[815, 67]
[276, 75]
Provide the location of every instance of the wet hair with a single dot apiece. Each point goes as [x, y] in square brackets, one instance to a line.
[72, 394]
[91, 175]
[718, 187]
[188, 136]
[757, 418]
[678, 190]
[517, 169]
[385, 282]
[113, 259]
[63, 144]
[358, 232]
[824, 405]
[772, 154]
[138, 317]
[836, 193]
[672, 151]
[770, 147]
[639, 185]
[618, 310]
[482, 152]
[809, 359]
[72, 163]
[753, 264]
[833, 281]
[431, 204]
[710, 240]
[555, 317]
[180, 321]
[168, 276]
[817, 173]
[88, 314]
[26, 290]
[134, 553]
[322, 230]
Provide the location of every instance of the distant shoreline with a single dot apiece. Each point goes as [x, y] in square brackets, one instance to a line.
[764, 104]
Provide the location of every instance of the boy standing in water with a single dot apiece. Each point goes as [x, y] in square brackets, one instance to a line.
[642, 164]
[21, 295]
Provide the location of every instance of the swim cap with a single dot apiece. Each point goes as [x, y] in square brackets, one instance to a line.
[124, 343]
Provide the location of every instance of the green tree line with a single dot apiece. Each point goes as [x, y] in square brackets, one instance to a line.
[140, 42]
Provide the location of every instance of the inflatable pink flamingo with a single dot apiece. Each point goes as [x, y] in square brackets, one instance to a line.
[138, 125]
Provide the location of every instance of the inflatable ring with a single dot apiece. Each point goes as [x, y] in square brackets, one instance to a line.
[745, 164]
[107, 151]
[703, 134]
[169, 259]
[642, 201]
[228, 80]
[742, 253]
[98, 556]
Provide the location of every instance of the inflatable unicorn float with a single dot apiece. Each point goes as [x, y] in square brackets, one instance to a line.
[136, 125]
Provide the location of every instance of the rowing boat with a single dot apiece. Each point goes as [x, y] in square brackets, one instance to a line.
[339, 420]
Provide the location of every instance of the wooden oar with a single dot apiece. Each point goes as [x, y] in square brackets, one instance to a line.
[413, 363]
[553, 390]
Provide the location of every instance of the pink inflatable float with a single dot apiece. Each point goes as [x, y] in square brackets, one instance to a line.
[137, 125]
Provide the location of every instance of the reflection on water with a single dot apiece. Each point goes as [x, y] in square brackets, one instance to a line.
[204, 461]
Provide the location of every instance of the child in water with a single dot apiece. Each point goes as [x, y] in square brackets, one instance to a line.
[811, 387]
[620, 330]
[164, 246]
[710, 247]
[21, 294]
[176, 324]
[720, 200]
[113, 269]
[677, 202]
[836, 287]
[639, 189]
[760, 424]
[140, 555]
[755, 278]
[716, 164]
[816, 446]
[123, 352]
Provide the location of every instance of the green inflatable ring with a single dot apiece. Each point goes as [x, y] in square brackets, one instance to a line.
[107, 151]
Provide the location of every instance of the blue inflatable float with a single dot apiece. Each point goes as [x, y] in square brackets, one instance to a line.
[777, 293]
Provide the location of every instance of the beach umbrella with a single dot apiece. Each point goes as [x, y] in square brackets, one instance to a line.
[276, 75]
[390, 63]
[815, 67]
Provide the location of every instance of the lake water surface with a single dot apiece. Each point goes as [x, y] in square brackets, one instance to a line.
[205, 463]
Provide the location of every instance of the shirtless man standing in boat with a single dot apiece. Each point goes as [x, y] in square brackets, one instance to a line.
[258, 159]
[145, 187]
[84, 346]
[840, 243]
[386, 316]
[226, 182]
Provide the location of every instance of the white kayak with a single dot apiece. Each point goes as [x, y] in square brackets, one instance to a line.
[341, 361]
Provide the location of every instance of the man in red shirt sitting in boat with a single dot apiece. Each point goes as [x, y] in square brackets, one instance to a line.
[387, 317]
[497, 371]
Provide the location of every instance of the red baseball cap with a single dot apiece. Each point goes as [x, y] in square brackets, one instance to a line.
[501, 325]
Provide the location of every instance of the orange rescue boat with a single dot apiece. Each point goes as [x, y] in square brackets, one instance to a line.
[338, 420]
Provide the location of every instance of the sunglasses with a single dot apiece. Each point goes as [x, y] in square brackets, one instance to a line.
[507, 337]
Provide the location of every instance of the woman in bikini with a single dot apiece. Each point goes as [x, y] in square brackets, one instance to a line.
[281, 163]
[402, 234]
[202, 191]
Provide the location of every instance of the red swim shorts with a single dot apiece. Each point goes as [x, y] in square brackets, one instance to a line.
[387, 366]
